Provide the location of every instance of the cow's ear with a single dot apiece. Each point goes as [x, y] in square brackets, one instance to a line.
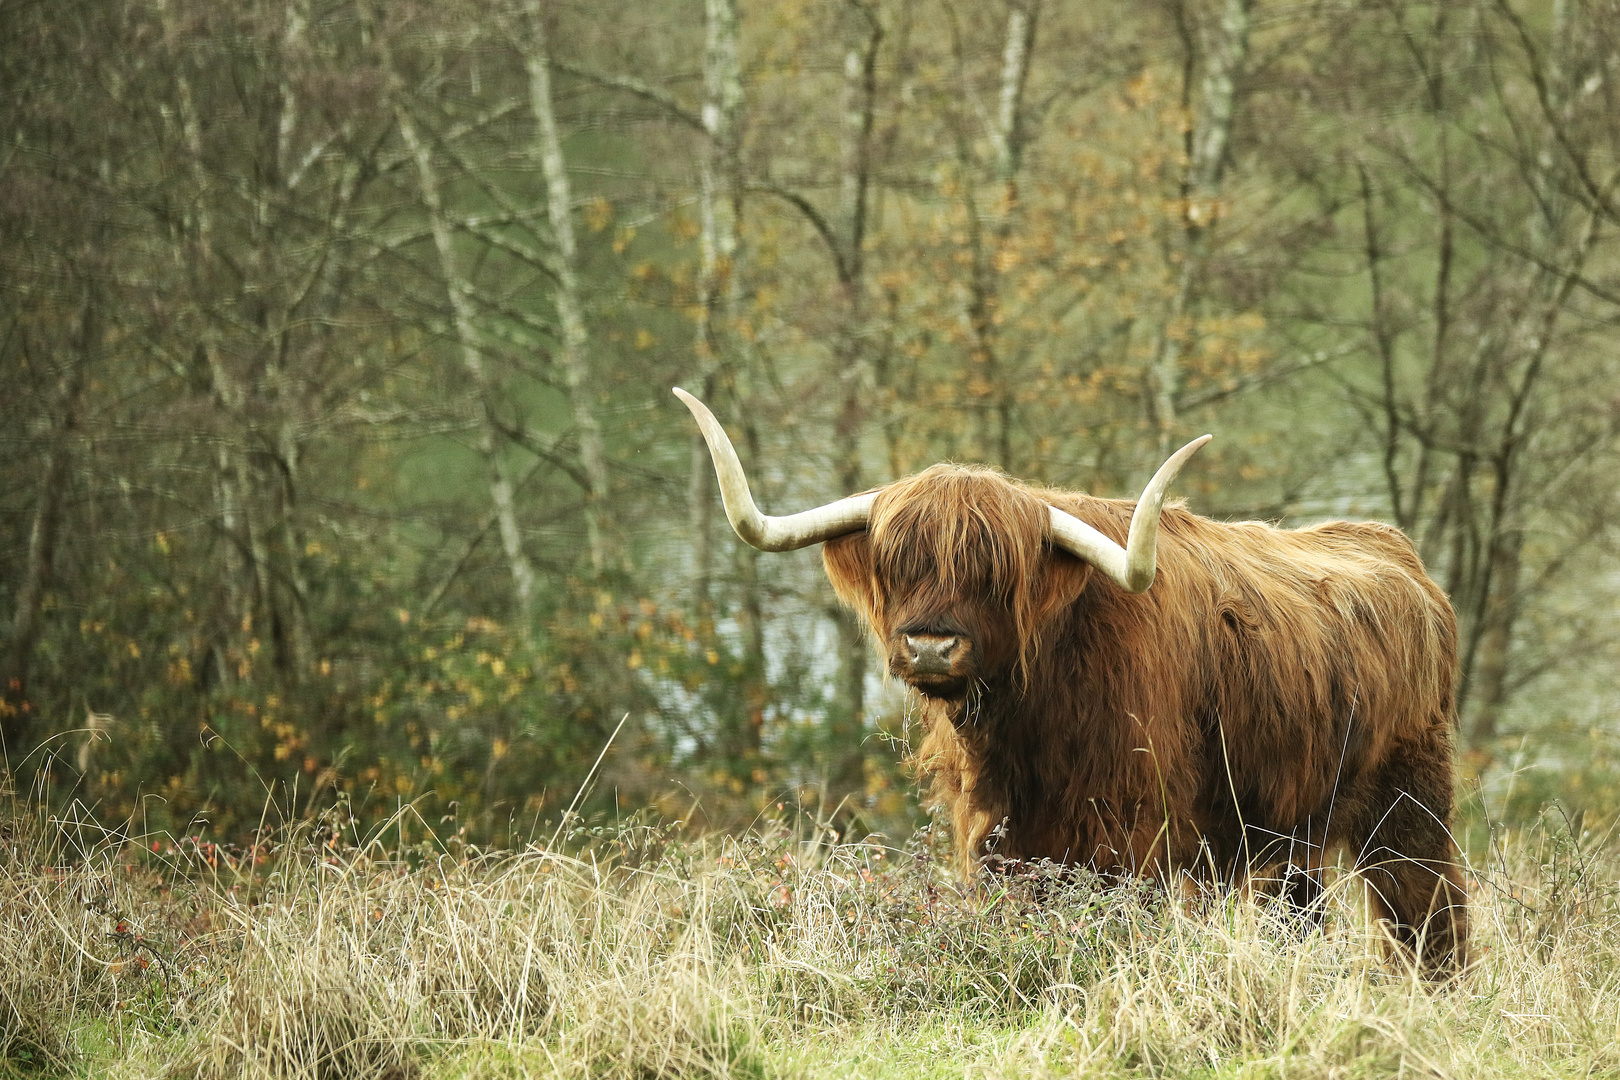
[848, 560]
[1063, 579]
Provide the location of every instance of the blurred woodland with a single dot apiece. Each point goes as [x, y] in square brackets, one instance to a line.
[339, 458]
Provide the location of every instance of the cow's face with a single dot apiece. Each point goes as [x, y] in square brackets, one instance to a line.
[954, 576]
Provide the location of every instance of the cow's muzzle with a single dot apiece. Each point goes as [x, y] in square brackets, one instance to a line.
[931, 654]
[933, 663]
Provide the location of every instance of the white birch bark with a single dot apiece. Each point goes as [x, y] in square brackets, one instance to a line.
[572, 355]
[720, 186]
[1226, 53]
[460, 295]
[1007, 134]
[864, 35]
[1007, 137]
[227, 395]
[285, 480]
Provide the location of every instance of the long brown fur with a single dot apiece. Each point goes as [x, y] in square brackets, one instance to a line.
[1274, 694]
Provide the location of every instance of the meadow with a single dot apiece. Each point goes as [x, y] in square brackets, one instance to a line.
[640, 950]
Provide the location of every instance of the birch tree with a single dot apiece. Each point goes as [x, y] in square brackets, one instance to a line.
[719, 204]
[989, 228]
[459, 293]
[1221, 50]
[842, 236]
[572, 352]
[862, 42]
[721, 358]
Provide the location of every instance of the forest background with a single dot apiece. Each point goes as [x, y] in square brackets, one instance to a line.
[339, 460]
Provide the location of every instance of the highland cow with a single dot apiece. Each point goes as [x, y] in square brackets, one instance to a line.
[1210, 701]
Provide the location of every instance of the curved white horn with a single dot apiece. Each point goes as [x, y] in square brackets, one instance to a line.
[1131, 567]
[761, 530]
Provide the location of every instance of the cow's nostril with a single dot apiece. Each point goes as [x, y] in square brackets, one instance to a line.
[931, 654]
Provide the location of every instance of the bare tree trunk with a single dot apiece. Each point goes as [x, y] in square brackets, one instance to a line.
[570, 310]
[286, 455]
[1225, 55]
[740, 737]
[228, 648]
[719, 197]
[720, 355]
[1488, 682]
[459, 291]
[25, 619]
[258, 549]
[1445, 250]
[1496, 582]
[293, 543]
[865, 34]
[17, 718]
[756, 685]
[1500, 614]
[1008, 135]
[700, 497]
[1383, 333]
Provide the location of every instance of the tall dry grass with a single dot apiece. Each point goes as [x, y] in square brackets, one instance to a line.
[646, 953]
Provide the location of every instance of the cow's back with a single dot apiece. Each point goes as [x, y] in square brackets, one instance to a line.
[1262, 675]
[1325, 650]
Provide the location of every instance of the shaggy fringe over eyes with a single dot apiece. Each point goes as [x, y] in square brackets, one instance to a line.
[954, 531]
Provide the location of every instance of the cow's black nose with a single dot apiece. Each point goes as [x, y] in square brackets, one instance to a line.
[931, 654]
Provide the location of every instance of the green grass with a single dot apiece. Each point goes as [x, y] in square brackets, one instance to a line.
[775, 954]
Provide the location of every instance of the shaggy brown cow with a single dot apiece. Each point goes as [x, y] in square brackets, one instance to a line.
[1275, 694]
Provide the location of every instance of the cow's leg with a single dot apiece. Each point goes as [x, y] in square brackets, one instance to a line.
[1287, 868]
[1408, 860]
[1303, 883]
[1301, 888]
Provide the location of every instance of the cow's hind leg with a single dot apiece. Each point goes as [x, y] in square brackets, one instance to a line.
[1408, 860]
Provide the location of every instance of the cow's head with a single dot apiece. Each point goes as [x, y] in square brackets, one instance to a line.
[955, 575]
[956, 569]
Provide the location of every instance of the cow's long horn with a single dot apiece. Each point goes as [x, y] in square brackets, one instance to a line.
[761, 530]
[1132, 566]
